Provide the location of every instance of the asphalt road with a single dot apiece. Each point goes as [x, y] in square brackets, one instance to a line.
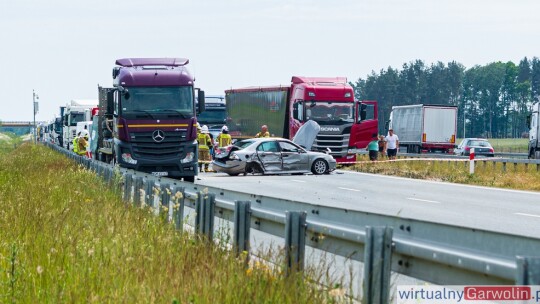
[493, 209]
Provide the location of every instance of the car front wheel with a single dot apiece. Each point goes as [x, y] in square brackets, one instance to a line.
[319, 166]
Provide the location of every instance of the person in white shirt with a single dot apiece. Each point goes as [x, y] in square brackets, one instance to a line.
[392, 144]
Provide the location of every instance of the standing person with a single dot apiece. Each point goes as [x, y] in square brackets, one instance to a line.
[205, 142]
[382, 146]
[82, 143]
[373, 148]
[392, 144]
[224, 138]
[264, 132]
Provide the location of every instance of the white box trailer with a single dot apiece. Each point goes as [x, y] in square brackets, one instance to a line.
[425, 128]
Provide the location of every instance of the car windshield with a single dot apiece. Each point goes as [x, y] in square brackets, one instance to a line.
[330, 111]
[479, 143]
[154, 101]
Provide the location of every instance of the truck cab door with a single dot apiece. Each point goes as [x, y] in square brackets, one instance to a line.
[270, 156]
[366, 125]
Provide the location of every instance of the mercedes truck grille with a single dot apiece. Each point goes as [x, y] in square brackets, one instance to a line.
[144, 145]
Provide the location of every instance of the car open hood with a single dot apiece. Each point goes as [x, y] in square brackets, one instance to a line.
[307, 134]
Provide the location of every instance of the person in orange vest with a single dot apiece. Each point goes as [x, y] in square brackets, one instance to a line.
[264, 132]
[224, 138]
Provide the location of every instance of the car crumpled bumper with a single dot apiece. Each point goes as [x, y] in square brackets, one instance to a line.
[229, 166]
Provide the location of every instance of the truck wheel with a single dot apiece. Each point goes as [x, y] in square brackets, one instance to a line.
[319, 167]
[189, 179]
[537, 154]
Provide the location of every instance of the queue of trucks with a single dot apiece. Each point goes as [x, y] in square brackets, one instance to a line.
[148, 119]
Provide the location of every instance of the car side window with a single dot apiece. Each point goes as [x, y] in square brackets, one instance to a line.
[287, 147]
[269, 146]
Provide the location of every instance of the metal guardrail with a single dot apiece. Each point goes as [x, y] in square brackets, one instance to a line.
[438, 253]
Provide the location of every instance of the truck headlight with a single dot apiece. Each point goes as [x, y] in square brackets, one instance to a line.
[126, 157]
[189, 157]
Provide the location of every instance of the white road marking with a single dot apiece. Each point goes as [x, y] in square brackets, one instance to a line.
[526, 214]
[422, 200]
[439, 183]
[298, 181]
[356, 190]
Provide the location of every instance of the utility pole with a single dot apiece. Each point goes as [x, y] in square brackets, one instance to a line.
[34, 97]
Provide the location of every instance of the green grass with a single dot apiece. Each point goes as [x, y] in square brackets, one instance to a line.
[66, 237]
[486, 173]
[515, 145]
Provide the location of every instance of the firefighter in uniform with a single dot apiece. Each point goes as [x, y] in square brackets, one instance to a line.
[224, 138]
[205, 142]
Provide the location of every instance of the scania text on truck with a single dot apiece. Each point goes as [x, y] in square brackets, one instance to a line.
[534, 124]
[346, 125]
[76, 111]
[153, 116]
[425, 128]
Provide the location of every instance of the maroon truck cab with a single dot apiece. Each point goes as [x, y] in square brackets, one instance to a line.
[155, 116]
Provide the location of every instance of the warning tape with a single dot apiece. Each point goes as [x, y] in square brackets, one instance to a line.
[412, 159]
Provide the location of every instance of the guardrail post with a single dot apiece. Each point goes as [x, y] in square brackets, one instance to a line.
[166, 200]
[377, 265]
[242, 227]
[528, 270]
[128, 181]
[295, 240]
[204, 221]
[137, 186]
[178, 197]
[148, 192]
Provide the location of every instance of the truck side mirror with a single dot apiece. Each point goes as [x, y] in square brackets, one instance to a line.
[110, 101]
[201, 102]
[295, 111]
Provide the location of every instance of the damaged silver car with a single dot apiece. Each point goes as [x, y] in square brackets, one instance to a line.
[271, 156]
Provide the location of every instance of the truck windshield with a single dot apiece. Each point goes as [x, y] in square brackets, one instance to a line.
[158, 101]
[330, 112]
[75, 118]
[212, 116]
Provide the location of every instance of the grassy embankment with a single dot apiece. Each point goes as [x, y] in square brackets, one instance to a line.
[513, 145]
[66, 237]
[486, 174]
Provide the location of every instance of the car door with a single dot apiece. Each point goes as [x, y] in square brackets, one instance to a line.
[293, 157]
[270, 156]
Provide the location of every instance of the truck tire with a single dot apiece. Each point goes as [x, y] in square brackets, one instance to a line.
[320, 166]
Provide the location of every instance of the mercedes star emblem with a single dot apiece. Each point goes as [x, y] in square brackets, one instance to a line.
[158, 136]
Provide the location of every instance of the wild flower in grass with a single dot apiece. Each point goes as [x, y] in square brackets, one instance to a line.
[168, 191]
[176, 206]
[87, 200]
[90, 252]
[178, 195]
[164, 208]
[157, 191]
[39, 269]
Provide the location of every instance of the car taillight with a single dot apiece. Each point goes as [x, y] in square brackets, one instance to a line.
[491, 150]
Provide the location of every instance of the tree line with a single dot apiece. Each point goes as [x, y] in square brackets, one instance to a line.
[493, 100]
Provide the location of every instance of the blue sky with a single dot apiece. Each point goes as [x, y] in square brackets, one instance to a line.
[64, 49]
